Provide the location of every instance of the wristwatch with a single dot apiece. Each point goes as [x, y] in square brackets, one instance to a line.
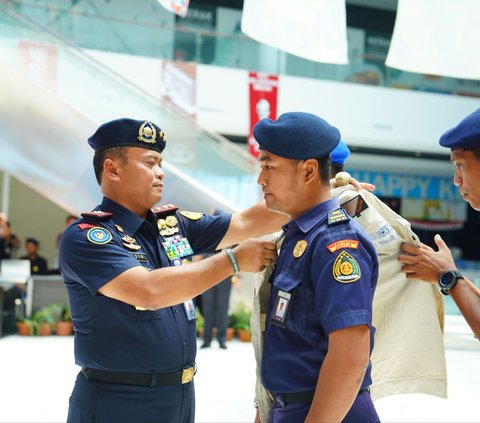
[448, 280]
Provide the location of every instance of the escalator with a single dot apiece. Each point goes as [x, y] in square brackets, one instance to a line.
[53, 96]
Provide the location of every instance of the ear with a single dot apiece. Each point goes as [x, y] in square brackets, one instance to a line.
[310, 170]
[111, 169]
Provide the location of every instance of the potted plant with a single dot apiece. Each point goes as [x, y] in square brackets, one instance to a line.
[26, 327]
[199, 323]
[231, 326]
[44, 321]
[64, 326]
[242, 322]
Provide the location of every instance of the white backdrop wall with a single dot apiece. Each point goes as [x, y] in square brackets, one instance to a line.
[367, 116]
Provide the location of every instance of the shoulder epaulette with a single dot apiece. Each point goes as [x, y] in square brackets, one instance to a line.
[97, 215]
[337, 216]
[165, 209]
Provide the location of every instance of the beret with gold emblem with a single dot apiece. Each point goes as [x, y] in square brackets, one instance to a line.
[127, 132]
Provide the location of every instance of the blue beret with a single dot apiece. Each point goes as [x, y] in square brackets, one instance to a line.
[465, 135]
[128, 133]
[297, 136]
[340, 153]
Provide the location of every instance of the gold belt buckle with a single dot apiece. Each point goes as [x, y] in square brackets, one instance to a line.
[187, 375]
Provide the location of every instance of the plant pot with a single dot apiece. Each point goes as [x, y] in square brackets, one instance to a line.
[24, 329]
[44, 329]
[230, 333]
[244, 335]
[63, 328]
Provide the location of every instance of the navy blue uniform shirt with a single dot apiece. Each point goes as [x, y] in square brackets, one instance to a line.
[113, 335]
[325, 276]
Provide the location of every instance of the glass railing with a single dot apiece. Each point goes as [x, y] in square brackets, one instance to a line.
[55, 64]
[145, 28]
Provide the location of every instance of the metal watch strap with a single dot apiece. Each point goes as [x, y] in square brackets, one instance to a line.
[233, 260]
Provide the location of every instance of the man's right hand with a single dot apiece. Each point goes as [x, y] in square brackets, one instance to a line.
[424, 262]
[253, 255]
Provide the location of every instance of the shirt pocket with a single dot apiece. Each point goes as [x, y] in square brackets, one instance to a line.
[133, 313]
[292, 282]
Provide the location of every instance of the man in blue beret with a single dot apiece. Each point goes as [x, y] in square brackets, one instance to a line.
[129, 285]
[338, 158]
[438, 267]
[318, 322]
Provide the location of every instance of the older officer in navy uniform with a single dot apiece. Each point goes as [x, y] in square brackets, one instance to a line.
[319, 333]
[130, 281]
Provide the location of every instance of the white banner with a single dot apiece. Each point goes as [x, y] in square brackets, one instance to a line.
[314, 30]
[437, 37]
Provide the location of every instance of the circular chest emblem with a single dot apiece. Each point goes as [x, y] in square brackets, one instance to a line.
[176, 262]
[99, 235]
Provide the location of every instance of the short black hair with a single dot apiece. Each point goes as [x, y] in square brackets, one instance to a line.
[475, 151]
[33, 241]
[100, 156]
[324, 165]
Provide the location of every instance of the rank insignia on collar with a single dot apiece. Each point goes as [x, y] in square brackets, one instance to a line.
[99, 235]
[337, 216]
[191, 215]
[346, 268]
[300, 248]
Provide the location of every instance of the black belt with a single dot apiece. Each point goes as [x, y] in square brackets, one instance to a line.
[303, 397]
[142, 379]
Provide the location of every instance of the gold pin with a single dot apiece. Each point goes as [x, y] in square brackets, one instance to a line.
[300, 248]
[131, 246]
[171, 221]
[118, 228]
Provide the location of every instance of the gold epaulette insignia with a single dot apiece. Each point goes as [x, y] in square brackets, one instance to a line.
[191, 215]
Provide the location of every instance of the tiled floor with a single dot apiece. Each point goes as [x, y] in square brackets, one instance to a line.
[36, 377]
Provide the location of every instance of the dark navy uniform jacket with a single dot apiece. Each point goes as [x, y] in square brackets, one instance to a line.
[113, 335]
[331, 279]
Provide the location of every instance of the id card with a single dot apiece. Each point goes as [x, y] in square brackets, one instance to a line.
[280, 308]
[190, 310]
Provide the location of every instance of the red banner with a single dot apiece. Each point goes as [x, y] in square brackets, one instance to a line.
[263, 103]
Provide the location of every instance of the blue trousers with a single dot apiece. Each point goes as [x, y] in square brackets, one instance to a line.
[98, 402]
[215, 311]
[362, 411]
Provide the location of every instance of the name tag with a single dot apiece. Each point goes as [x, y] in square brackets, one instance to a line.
[280, 308]
[190, 310]
[140, 257]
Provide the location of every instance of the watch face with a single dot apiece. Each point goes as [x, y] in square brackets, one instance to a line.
[448, 278]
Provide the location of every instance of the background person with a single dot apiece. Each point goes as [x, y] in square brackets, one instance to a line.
[438, 267]
[38, 264]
